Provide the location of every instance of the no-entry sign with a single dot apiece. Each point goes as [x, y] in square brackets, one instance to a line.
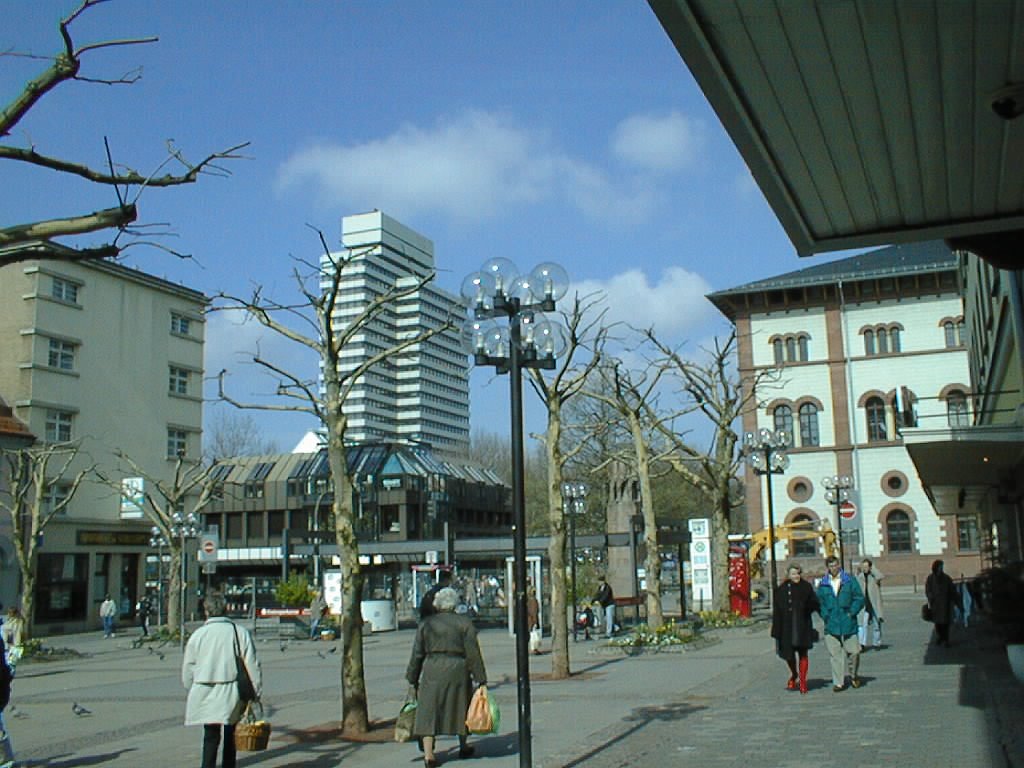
[207, 549]
[848, 510]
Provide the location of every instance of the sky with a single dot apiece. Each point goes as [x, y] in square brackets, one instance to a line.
[536, 131]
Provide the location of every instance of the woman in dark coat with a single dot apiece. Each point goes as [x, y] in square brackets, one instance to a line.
[794, 602]
[942, 596]
[445, 661]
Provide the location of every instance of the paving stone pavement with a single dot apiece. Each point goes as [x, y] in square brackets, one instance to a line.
[722, 704]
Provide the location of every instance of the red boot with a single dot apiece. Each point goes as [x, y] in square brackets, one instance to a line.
[803, 674]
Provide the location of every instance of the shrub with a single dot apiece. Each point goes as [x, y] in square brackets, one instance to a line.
[294, 593]
[667, 634]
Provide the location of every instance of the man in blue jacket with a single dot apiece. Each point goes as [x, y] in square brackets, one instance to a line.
[841, 600]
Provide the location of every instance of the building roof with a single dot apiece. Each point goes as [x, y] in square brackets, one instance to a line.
[866, 123]
[11, 427]
[933, 256]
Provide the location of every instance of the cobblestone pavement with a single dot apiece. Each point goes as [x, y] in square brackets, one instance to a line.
[919, 706]
[722, 704]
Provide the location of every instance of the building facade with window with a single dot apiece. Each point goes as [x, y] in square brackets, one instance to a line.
[860, 349]
[111, 359]
[421, 394]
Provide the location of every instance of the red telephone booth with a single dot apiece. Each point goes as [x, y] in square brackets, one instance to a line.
[739, 580]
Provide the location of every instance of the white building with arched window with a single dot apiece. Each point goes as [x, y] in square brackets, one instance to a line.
[864, 347]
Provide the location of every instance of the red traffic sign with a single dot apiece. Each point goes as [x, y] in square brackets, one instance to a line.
[207, 552]
[209, 547]
[848, 510]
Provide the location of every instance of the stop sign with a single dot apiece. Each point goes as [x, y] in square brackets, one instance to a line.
[848, 510]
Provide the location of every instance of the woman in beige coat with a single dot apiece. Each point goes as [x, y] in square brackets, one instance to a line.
[210, 674]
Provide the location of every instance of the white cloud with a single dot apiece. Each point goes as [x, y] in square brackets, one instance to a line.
[478, 164]
[658, 143]
[673, 306]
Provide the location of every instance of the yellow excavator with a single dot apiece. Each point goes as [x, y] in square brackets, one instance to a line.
[790, 532]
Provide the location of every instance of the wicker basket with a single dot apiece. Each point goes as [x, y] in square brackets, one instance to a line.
[252, 737]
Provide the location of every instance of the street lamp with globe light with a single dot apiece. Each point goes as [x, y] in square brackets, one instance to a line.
[765, 453]
[574, 503]
[183, 526]
[529, 339]
[158, 541]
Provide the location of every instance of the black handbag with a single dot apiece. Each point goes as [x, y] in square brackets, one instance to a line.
[926, 612]
[246, 690]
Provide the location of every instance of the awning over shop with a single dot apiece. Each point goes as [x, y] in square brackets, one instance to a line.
[958, 465]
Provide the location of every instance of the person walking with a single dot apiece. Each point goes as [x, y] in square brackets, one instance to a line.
[142, 610]
[942, 596]
[840, 600]
[108, 609]
[793, 604]
[209, 672]
[317, 611]
[869, 579]
[6, 678]
[533, 620]
[13, 631]
[606, 599]
[444, 580]
[445, 661]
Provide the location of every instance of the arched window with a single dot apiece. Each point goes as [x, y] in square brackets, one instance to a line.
[883, 341]
[897, 532]
[809, 425]
[802, 341]
[956, 409]
[869, 342]
[790, 348]
[777, 351]
[875, 411]
[783, 416]
[960, 332]
[950, 331]
[894, 339]
[804, 547]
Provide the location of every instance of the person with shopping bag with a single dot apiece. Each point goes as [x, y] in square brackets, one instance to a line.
[446, 661]
[215, 658]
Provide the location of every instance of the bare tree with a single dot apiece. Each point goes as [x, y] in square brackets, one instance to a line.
[712, 389]
[34, 239]
[39, 490]
[235, 434]
[586, 339]
[320, 294]
[190, 489]
[633, 395]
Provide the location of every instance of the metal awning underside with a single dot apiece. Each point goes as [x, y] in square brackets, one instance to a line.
[865, 122]
[960, 464]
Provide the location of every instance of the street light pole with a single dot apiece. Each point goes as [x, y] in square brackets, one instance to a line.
[529, 340]
[765, 453]
[837, 490]
[183, 527]
[573, 504]
[157, 540]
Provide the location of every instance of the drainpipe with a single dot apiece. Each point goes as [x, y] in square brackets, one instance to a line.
[851, 407]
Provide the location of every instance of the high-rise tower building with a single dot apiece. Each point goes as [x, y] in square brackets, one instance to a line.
[421, 394]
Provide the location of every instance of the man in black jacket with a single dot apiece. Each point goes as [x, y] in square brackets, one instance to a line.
[606, 599]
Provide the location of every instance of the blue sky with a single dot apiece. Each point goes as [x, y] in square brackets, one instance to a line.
[534, 130]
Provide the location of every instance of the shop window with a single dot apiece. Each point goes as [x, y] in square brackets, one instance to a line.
[61, 587]
[968, 535]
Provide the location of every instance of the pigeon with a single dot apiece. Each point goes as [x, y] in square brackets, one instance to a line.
[320, 655]
[15, 712]
[79, 710]
[283, 647]
[160, 656]
[333, 649]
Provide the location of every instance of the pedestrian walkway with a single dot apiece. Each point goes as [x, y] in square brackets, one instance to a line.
[721, 705]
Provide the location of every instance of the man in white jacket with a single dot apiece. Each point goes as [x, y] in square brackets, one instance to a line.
[210, 673]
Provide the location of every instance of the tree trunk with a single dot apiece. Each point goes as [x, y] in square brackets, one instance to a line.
[652, 561]
[720, 554]
[25, 555]
[556, 551]
[174, 589]
[355, 716]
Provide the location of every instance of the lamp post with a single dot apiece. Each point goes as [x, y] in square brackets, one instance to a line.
[158, 541]
[573, 503]
[765, 453]
[837, 491]
[529, 340]
[318, 485]
[183, 527]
